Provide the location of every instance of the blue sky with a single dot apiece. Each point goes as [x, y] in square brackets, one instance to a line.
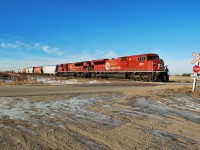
[42, 32]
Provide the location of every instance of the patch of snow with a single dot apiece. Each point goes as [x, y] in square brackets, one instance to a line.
[51, 81]
[93, 81]
[15, 108]
[56, 82]
[42, 112]
[185, 103]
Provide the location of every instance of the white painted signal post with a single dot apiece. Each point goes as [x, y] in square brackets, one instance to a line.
[196, 69]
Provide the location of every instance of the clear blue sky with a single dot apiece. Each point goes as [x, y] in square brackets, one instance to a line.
[42, 32]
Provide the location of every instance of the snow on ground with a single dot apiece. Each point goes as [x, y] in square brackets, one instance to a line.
[57, 82]
[23, 109]
[50, 81]
[184, 102]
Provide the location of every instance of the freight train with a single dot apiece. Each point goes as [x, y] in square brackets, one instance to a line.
[144, 67]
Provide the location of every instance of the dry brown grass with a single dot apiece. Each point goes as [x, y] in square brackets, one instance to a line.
[25, 82]
[21, 82]
[179, 78]
[16, 79]
[184, 90]
[2, 83]
[2, 74]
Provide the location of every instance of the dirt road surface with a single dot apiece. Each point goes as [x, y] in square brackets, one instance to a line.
[114, 114]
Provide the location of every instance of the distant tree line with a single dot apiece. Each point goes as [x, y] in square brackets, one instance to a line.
[186, 74]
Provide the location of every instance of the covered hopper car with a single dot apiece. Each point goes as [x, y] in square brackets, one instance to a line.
[49, 70]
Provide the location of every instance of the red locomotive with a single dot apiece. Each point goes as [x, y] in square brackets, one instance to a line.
[146, 67]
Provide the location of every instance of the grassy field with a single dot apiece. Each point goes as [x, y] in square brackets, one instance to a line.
[180, 78]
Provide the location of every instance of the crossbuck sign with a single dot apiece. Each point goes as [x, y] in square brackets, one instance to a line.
[196, 58]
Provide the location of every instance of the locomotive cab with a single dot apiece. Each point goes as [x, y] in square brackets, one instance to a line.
[156, 62]
[152, 57]
[161, 65]
[160, 72]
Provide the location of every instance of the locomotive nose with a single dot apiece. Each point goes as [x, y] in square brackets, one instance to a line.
[160, 65]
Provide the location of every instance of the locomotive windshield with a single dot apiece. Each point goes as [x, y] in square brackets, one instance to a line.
[153, 57]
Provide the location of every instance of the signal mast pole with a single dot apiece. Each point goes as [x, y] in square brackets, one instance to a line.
[195, 77]
[195, 80]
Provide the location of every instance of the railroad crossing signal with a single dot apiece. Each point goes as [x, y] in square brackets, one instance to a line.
[197, 58]
[196, 69]
[195, 76]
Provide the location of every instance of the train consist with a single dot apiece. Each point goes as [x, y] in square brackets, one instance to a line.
[145, 67]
